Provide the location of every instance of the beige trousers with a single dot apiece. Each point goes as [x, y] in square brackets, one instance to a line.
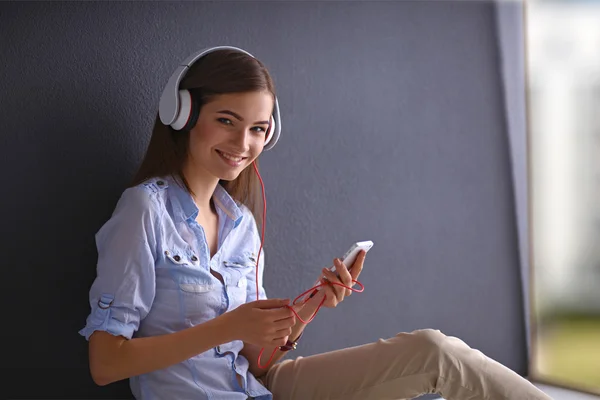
[402, 367]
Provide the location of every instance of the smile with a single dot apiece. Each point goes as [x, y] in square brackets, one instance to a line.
[233, 160]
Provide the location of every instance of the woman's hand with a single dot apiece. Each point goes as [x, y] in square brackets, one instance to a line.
[263, 323]
[335, 294]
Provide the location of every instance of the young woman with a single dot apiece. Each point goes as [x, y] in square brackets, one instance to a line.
[178, 305]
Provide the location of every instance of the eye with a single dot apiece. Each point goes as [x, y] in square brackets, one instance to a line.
[259, 129]
[224, 121]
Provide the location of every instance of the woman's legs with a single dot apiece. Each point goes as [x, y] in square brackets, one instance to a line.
[402, 367]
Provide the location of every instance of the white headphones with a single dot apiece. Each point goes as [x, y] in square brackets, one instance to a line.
[175, 107]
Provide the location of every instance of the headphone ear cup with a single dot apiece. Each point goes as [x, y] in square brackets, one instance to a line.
[194, 111]
[185, 113]
[270, 130]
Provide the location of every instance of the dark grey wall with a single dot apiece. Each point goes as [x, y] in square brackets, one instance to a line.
[394, 131]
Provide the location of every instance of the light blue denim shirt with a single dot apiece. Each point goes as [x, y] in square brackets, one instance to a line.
[153, 278]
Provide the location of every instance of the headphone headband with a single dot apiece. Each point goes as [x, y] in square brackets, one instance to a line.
[175, 105]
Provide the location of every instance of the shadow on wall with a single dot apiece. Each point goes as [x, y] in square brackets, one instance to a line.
[71, 173]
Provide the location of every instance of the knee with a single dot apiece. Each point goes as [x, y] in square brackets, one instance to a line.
[426, 335]
[421, 350]
[422, 341]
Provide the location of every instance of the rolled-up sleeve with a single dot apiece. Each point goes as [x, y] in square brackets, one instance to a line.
[124, 288]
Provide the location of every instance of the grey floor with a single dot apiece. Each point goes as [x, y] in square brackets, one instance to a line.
[554, 392]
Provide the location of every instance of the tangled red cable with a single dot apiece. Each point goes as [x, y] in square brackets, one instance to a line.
[312, 290]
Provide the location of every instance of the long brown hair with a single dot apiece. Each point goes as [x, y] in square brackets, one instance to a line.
[220, 72]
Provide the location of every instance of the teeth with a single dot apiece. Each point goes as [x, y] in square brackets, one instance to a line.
[230, 157]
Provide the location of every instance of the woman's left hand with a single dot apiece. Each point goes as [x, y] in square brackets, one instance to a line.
[335, 294]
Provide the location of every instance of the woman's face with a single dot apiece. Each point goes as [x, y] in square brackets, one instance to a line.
[230, 133]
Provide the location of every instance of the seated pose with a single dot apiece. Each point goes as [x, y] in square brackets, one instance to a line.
[178, 305]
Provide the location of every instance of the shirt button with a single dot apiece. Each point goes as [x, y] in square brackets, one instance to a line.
[176, 258]
[194, 258]
[219, 349]
[160, 183]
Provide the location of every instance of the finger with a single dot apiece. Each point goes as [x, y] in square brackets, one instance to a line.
[335, 278]
[270, 303]
[284, 323]
[343, 273]
[338, 291]
[276, 342]
[357, 266]
[283, 333]
[298, 307]
[279, 314]
[330, 276]
[330, 295]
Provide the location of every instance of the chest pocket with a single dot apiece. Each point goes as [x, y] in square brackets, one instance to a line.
[199, 292]
[238, 267]
[185, 268]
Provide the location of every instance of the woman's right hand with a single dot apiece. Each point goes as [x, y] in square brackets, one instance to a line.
[263, 323]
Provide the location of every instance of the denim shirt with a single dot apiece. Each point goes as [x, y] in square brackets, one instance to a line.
[153, 278]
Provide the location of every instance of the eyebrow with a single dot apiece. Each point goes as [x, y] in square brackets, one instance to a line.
[228, 112]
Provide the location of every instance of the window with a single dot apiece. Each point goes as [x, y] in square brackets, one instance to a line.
[563, 70]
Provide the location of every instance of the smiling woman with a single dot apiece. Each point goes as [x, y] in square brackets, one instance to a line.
[178, 304]
[236, 143]
[183, 237]
[212, 81]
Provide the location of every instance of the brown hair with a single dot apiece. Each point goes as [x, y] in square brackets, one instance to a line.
[220, 72]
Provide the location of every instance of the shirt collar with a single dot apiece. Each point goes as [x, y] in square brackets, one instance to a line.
[228, 205]
[184, 207]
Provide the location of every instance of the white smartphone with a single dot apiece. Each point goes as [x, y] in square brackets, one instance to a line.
[350, 256]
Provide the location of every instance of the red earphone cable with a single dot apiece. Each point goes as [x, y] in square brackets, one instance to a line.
[302, 295]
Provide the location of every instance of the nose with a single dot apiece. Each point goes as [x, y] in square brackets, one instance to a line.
[242, 140]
